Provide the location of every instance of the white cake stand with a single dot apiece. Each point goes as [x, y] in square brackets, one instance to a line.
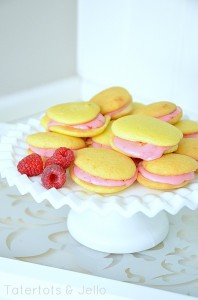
[117, 234]
[129, 221]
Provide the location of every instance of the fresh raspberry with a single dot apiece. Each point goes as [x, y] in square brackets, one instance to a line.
[66, 154]
[61, 161]
[53, 176]
[31, 165]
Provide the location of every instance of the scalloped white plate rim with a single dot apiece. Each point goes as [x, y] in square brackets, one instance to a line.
[128, 202]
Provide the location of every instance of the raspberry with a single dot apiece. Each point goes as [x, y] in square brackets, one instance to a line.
[31, 165]
[56, 161]
[53, 176]
[66, 154]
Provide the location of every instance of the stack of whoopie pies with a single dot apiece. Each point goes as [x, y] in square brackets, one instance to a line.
[117, 142]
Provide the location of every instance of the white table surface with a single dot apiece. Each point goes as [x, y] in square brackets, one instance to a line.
[19, 280]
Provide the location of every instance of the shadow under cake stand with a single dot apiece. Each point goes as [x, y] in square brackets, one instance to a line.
[130, 221]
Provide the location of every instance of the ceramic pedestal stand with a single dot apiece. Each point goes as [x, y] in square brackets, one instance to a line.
[114, 233]
[130, 221]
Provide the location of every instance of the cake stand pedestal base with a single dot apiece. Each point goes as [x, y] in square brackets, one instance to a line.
[113, 233]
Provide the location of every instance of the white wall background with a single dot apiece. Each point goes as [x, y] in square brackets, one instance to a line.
[150, 47]
[37, 42]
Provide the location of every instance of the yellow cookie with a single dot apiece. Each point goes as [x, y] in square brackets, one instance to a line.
[45, 143]
[102, 140]
[103, 170]
[44, 121]
[188, 127]
[189, 147]
[80, 119]
[114, 102]
[167, 172]
[163, 110]
[144, 137]
[136, 107]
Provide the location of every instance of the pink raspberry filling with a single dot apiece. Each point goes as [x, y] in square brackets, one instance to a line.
[100, 181]
[139, 150]
[168, 117]
[43, 152]
[46, 152]
[172, 179]
[98, 145]
[192, 135]
[95, 123]
[117, 110]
